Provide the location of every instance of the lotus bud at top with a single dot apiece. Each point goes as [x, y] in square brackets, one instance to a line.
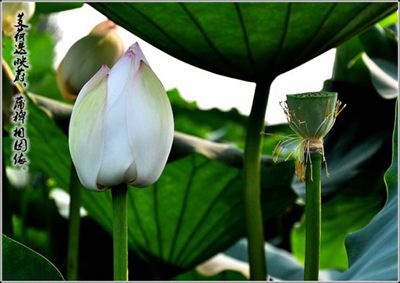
[102, 46]
[121, 127]
[10, 12]
[311, 116]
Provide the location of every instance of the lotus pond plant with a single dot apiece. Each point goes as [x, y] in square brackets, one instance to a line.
[102, 46]
[121, 133]
[311, 116]
[101, 124]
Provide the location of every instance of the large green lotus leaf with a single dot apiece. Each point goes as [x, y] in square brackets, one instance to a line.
[341, 215]
[358, 146]
[194, 211]
[47, 8]
[219, 126]
[227, 275]
[384, 76]
[249, 41]
[373, 251]
[211, 124]
[380, 58]
[358, 150]
[369, 60]
[281, 264]
[393, 19]
[23, 264]
[48, 146]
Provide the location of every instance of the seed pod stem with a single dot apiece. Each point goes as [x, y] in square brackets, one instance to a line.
[311, 116]
[120, 232]
[313, 216]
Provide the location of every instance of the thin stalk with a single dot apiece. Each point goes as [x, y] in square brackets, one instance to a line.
[252, 192]
[120, 232]
[313, 217]
[7, 204]
[74, 226]
[27, 194]
[10, 75]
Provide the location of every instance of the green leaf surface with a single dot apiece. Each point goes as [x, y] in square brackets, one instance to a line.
[373, 251]
[210, 124]
[370, 60]
[48, 146]
[357, 151]
[41, 76]
[249, 41]
[380, 42]
[194, 211]
[281, 264]
[358, 146]
[340, 216]
[393, 19]
[47, 8]
[227, 275]
[384, 76]
[22, 263]
[220, 126]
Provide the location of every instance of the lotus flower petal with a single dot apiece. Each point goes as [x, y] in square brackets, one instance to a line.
[152, 127]
[122, 126]
[86, 128]
[117, 152]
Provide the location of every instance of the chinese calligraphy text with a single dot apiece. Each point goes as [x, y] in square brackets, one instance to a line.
[20, 142]
[20, 61]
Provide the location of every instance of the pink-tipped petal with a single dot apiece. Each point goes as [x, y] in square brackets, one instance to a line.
[137, 51]
[118, 158]
[150, 126]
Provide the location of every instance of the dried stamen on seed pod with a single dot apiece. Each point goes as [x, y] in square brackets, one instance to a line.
[311, 116]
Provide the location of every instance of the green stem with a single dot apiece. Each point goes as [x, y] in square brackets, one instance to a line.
[252, 163]
[27, 194]
[74, 226]
[120, 232]
[7, 204]
[313, 217]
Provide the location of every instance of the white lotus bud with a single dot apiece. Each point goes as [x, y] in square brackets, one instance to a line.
[122, 127]
[102, 46]
[10, 12]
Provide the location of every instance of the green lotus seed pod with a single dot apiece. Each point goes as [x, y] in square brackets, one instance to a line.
[311, 115]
